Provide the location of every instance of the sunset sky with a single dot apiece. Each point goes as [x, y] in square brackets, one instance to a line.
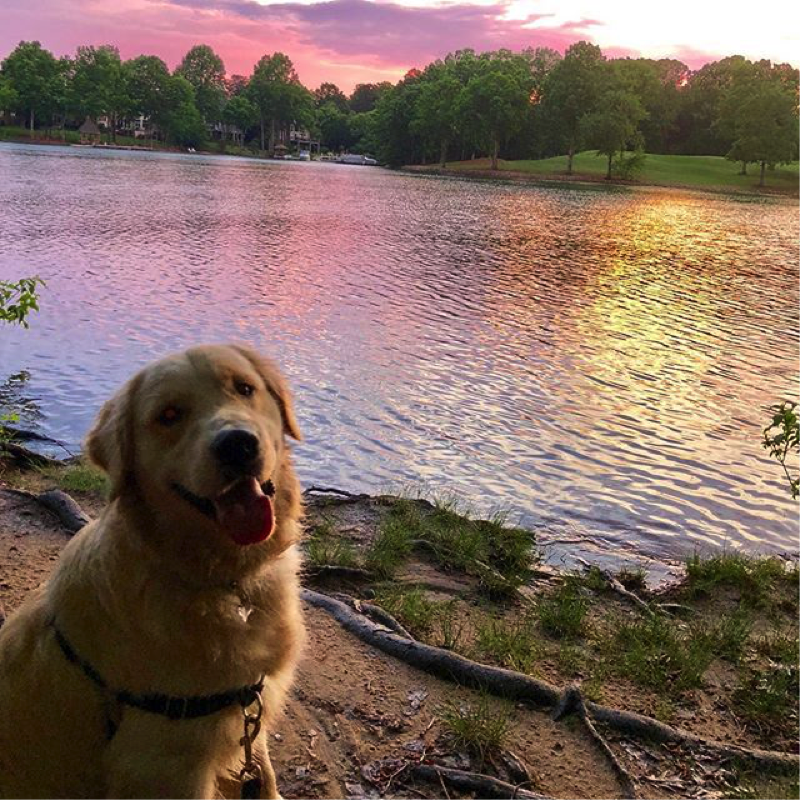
[353, 41]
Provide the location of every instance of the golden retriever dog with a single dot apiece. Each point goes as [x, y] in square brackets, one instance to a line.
[129, 673]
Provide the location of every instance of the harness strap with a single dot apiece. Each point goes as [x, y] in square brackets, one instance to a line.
[168, 706]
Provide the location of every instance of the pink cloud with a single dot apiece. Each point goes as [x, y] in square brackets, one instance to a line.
[346, 41]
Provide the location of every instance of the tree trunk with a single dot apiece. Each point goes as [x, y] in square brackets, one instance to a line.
[743, 170]
[570, 154]
[495, 148]
[32, 122]
[608, 171]
[114, 127]
[272, 137]
[262, 133]
[443, 159]
[763, 170]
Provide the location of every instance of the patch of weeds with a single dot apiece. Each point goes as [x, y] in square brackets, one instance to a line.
[633, 579]
[449, 627]
[562, 614]
[476, 727]
[660, 654]
[510, 644]
[754, 784]
[570, 660]
[594, 579]
[593, 689]
[410, 606]
[755, 577]
[767, 699]
[390, 548]
[326, 548]
[500, 556]
[781, 647]
[729, 635]
[663, 710]
[79, 478]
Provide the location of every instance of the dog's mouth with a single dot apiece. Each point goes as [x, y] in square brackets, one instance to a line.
[243, 510]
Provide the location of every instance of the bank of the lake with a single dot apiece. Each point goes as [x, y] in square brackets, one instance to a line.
[698, 173]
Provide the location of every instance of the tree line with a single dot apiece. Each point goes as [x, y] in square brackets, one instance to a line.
[500, 104]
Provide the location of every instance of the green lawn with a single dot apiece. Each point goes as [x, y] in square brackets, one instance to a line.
[701, 171]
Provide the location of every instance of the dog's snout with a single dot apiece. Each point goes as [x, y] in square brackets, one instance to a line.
[235, 448]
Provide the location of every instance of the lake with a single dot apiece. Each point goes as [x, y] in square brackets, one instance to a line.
[596, 361]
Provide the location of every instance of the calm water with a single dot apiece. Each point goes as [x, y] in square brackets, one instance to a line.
[597, 361]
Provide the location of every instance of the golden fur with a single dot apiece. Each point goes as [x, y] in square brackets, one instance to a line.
[149, 594]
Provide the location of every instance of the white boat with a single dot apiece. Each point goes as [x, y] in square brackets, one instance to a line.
[356, 158]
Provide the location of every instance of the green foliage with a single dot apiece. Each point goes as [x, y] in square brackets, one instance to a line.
[18, 300]
[38, 81]
[149, 88]
[98, 84]
[331, 93]
[204, 70]
[755, 578]
[510, 644]
[613, 127]
[782, 440]
[476, 726]
[183, 123]
[326, 547]
[668, 656]
[411, 607]
[767, 699]
[366, 96]
[79, 478]
[499, 556]
[239, 111]
[563, 613]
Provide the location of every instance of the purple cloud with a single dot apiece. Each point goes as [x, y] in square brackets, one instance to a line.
[390, 33]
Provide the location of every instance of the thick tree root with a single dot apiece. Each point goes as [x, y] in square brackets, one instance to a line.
[69, 513]
[335, 571]
[23, 458]
[572, 701]
[481, 785]
[375, 613]
[514, 685]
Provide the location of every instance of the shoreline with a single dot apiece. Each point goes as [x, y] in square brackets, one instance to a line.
[587, 180]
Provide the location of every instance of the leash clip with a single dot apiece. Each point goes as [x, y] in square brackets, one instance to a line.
[250, 775]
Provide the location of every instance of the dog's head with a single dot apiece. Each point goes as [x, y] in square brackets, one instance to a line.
[198, 438]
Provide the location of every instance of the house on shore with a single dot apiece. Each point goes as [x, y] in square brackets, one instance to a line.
[89, 132]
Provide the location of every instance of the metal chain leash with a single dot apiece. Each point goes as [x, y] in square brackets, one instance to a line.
[250, 775]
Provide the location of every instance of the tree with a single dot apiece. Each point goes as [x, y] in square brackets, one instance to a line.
[184, 122]
[436, 109]
[36, 77]
[8, 96]
[149, 88]
[98, 86]
[331, 93]
[366, 95]
[240, 112]
[570, 92]
[334, 127]
[397, 143]
[204, 70]
[613, 127]
[495, 102]
[278, 95]
[765, 128]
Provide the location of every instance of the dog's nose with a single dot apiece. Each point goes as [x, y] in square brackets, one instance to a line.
[235, 448]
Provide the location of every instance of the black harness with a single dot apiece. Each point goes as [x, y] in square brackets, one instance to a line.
[165, 705]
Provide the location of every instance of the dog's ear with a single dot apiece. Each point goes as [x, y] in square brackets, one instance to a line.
[277, 386]
[109, 443]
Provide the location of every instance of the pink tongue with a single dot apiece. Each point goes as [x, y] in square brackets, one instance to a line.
[244, 512]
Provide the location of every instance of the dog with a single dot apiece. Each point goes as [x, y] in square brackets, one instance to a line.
[175, 616]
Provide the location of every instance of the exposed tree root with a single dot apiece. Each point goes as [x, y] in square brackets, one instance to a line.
[23, 458]
[335, 571]
[481, 785]
[517, 686]
[24, 435]
[375, 613]
[69, 513]
[572, 702]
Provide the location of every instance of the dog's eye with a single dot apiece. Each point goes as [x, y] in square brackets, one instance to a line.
[170, 415]
[244, 389]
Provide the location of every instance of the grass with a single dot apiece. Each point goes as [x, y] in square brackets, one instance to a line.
[500, 556]
[326, 548]
[756, 578]
[767, 699]
[78, 478]
[476, 727]
[670, 657]
[563, 613]
[510, 644]
[665, 170]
